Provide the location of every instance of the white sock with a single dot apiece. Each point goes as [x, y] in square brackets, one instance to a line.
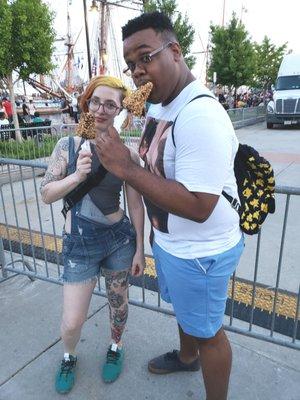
[114, 347]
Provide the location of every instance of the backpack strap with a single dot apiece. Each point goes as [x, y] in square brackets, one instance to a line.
[233, 201]
[197, 97]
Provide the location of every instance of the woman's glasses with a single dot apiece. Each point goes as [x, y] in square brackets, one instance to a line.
[109, 107]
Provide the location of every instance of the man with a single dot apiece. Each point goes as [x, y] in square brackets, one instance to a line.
[65, 111]
[31, 108]
[25, 110]
[197, 239]
[8, 109]
[74, 105]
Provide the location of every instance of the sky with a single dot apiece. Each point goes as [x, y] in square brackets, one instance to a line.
[279, 20]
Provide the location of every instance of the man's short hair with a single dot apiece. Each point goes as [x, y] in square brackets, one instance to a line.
[2, 115]
[156, 20]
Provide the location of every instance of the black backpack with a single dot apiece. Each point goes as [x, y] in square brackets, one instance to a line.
[256, 186]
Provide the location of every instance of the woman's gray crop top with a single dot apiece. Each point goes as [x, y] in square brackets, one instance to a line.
[106, 195]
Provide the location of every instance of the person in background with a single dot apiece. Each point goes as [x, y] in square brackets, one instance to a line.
[25, 110]
[3, 119]
[31, 108]
[188, 148]
[74, 105]
[2, 109]
[65, 111]
[97, 235]
[37, 118]
[8, 109]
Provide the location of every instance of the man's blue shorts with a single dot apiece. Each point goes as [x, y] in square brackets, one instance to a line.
[197, 288]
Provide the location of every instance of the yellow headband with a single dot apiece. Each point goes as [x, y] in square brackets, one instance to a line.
[112, 82]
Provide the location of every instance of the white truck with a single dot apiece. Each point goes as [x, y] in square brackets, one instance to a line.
[284, 109]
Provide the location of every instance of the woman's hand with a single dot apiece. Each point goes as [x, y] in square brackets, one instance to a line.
[84, 165]
[138, 264]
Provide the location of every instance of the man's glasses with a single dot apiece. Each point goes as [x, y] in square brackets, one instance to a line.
[144, 59]
[109, 107]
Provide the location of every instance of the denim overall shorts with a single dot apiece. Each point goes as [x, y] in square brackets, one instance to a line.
[93, 245]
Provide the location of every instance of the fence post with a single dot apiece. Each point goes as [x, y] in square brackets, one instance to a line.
[2, 259]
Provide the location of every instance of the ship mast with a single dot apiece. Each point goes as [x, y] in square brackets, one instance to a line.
[70, 53]
[104, 11]
[104, 16]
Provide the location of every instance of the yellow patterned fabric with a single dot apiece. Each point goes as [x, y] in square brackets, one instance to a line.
[256, 187]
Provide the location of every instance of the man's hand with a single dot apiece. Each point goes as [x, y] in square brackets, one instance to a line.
[113, 154]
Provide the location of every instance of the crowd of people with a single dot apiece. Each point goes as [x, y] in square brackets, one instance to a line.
[246, 99]
[27, 111]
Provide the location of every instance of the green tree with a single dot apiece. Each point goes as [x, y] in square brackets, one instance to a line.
[184, 31]
[267, 61]
[26, 43]
[232, 54]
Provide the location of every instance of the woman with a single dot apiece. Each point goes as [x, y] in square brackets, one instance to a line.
[97, 234]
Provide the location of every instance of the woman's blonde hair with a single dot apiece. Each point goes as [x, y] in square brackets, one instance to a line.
[102, 80]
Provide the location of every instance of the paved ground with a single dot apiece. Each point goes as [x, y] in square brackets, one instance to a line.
[31, 350]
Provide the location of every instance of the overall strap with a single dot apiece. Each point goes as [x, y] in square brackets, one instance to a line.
[73, 155]
[197, 97]
[71, 168]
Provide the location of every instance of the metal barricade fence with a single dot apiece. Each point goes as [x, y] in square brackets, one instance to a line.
[264, 294]
[38, 143]
[67, 129]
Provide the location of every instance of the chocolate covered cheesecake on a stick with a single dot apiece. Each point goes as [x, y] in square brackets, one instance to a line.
[86, 126]
[135, 102]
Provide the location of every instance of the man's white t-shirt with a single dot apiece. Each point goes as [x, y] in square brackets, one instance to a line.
[201, 160]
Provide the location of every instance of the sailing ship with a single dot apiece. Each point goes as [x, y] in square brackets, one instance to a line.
[94, 49]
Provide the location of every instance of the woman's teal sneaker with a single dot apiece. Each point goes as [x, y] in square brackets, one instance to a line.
[65, 377]
[114, 364]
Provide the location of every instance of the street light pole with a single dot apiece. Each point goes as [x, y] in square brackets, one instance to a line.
[223, 18]
[87, 39]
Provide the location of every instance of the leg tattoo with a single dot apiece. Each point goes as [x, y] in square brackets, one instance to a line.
[116, 283]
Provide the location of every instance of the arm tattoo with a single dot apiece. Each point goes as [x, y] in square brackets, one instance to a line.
[57, 167]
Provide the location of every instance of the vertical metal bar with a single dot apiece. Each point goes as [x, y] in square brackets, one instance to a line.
[232, 298]
[158, 296]
[2, 259]
[6, 224]
[16, 216]
[99, 283]
[296, 317]
[124, 199]
[254, 280]
[28, 220]
[280, 262]
[40, 220]
[55, 241]
[143, 288]
[87, 39]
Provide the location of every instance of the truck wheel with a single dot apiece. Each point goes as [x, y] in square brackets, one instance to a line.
[269, 125]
